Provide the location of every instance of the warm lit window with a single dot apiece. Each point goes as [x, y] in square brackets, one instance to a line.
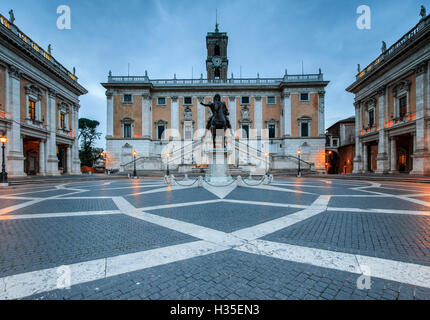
[62, 121]
[127, 130]
[31, 110]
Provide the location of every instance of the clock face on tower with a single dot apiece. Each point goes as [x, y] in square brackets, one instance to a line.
[217, 61]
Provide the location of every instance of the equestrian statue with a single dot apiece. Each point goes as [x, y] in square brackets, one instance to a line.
[219, 119]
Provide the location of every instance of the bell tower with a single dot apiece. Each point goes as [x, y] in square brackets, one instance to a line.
[217, 62]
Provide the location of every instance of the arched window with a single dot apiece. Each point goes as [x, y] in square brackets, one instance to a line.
[217, 51]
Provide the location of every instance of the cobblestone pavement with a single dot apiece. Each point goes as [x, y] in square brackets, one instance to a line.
[303, 238]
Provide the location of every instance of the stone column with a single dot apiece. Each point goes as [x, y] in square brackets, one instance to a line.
[76, 162]
[358, 165]
[200, 114]
[232, 110]
[69, 159]
[365, 158]
[42, 158]
[287, 114]
[174, 114]
[15, 157]
[51, 143]
[393, 155]
[258, 115]
[147, 116]
[109, 117]
[421, 157]
[321, 113]
[382, 157]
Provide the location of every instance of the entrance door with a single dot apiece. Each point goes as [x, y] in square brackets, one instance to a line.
[31, 154]
[32, 163]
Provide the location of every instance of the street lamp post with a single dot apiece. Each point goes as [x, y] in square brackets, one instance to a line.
[299, 153]
[134, 164]
[4, 182]
[167, 168]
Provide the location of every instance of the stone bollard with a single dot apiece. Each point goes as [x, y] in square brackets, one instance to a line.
[271, 178]
[186, 177]
[200, 182]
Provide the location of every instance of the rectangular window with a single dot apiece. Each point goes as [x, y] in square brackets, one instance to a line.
[371, 118]
[272, 131]
[305, 129]
[304, 96]
[32, 109]
[271, 100]
[334, 142]
[403, 105]
[127, 98]
[62, 121]
[160, 131]
[161, 101]
[127, 130]
[245, 100]
[188, 101]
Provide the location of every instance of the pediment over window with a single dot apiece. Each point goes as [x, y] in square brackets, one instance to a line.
[305, 118]
[160, 122]
[127, 120]
[63, 106]
[33, 90]
[403, 85]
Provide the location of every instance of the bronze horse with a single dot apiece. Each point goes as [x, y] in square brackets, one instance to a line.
[219, 119]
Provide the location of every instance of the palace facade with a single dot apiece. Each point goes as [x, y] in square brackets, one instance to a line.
[274, 117]
[392, 107]
[39, 107]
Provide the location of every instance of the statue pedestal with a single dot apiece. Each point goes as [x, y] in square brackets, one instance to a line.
[218, 166]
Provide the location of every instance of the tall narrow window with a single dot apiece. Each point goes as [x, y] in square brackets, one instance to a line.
[272, 131]
[371, 118]
[127, 130]
[62, 121]
[402, 106]
[245, 128]
[160, 131]
[305, 129]
[31, 109]
[217, 73]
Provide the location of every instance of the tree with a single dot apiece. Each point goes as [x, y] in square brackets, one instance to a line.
[89, 135]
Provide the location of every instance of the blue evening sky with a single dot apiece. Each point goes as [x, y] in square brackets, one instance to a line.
[168, 36]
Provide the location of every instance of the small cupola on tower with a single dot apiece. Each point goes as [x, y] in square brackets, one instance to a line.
[217, 62]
